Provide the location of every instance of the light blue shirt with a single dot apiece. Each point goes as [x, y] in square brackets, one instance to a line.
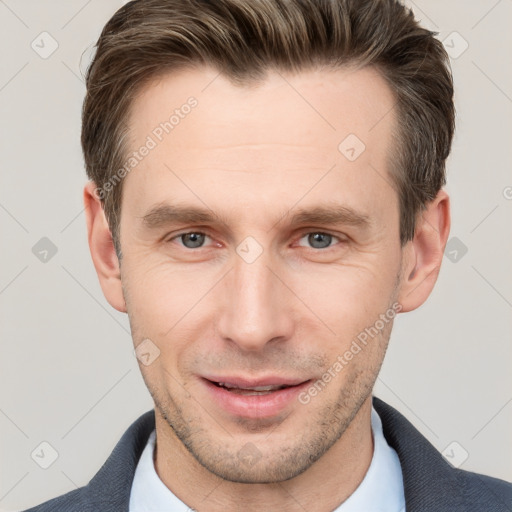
[381, 490]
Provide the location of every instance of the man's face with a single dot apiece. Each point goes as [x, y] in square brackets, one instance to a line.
[262, 288]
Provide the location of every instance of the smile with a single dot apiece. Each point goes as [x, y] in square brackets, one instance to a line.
[262, 398]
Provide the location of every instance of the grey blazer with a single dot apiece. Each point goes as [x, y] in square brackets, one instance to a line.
[431, 484]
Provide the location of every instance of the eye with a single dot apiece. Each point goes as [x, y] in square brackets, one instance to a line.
[318, 240]
[191, 240]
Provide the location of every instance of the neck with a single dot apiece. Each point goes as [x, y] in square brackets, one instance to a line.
[322, 487]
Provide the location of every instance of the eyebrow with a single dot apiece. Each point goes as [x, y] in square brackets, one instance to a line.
[334, 214]
[165, 214]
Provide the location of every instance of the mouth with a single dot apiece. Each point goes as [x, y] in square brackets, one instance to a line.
[255, 398]
[255, 390]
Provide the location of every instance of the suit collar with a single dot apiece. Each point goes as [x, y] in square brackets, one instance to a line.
[423, 467]
[109, 490]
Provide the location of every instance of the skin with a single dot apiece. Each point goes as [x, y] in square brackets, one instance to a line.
[256, 156]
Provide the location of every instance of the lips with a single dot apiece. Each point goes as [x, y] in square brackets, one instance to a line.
[255, 398]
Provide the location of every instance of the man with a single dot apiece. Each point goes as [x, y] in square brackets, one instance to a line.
[265, 197]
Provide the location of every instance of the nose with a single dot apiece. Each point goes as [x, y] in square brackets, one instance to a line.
[256, 308]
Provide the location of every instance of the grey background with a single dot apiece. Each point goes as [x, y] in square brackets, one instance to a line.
[68, 373]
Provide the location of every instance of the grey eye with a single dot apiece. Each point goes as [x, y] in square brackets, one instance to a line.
[192, 240]
[319, 240]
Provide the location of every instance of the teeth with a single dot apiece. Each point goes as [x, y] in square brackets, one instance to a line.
[249, 392]
[256, 388]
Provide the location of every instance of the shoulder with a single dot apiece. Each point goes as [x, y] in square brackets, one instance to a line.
[485, 490]
[109, 490]
[432, 483]
[69, 502]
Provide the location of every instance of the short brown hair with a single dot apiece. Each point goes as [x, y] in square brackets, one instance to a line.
[243, 39]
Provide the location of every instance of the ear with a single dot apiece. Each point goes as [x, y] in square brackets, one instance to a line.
[102, 249]
[423, 255]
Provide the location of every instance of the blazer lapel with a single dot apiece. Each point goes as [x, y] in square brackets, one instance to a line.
[430, 483]
[109, 490]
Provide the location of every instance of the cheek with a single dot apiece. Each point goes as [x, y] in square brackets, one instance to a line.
[348, 298]
[163, 298]
[162, 312]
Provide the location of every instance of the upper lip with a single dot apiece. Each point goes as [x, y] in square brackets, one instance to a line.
[246, 383]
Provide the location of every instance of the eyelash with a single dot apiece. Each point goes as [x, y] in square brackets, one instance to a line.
[302, 235]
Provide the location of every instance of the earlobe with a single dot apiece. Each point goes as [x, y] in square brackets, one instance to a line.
[424, 254]
[102, 249]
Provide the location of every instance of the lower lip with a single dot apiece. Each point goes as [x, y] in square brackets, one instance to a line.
[254, 406]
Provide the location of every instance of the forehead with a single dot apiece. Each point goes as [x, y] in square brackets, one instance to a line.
[273, 139]
[328, 103]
